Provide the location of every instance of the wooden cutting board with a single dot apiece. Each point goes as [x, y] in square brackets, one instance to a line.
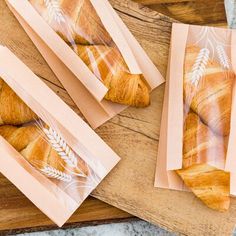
[190, 11]
[18, 214]
[133, 134]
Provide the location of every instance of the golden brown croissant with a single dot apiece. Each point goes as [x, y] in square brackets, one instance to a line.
[107, 63]
[208, 183]
[211, 98]
[33, 145]
[85, 27]
[200, 144]
[13, 110]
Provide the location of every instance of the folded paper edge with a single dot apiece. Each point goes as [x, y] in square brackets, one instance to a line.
[61, 49]
[175, 101]
[87, 104]
[230, 164]
[30, 186]
[75, 125]
[116, 35]
[151, 74]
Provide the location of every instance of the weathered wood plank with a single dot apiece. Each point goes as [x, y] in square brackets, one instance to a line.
[130, 185]
[17, 213]
[187, 11]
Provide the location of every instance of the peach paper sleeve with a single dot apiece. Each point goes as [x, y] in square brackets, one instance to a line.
[230, 164]
[96, 113]
[42, 100]
[166, 178]
[34, 185]
[174, 133]
[61, 49]
[55, 202]
[149, 70]
[95, 109]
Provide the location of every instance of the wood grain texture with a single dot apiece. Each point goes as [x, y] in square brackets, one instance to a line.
[130, 185]
[192, 12]
[133, 134]
[18, 214]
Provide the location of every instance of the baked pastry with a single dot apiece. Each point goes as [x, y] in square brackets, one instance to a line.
[108, 65]
[209, 184]
[34, 146]
[201, 145]
[76, 21]
[13, 110]
[211, 97]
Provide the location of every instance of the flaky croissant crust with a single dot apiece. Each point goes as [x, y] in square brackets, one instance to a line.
[13, 110]
[82, 26]
[201, 145]
[85, 33]
[31, 142]
[209, 184]
[211, 99]
[108, 65]
[206, 130]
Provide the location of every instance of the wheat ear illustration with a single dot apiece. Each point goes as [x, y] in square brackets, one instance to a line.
[51, 172]
[200, 66]
[54, 11]
[223, 58]
[61, 147]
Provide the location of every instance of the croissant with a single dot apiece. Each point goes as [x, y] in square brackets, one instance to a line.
[108, 65]
[208, 183]
[211, 98]
[13, 110]
[76, 21]
[33, 145]
[200, 144]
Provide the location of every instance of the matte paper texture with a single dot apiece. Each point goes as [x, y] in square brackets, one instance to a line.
[216, 47]
[82, 82]
[48, 151]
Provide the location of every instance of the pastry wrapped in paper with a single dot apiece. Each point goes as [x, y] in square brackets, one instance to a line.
[201, 145]
[79, 25]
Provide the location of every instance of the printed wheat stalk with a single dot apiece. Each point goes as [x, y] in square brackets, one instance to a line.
[200, 66]
[61, 147]
[51, 172]
[223, 58]
[54, 10]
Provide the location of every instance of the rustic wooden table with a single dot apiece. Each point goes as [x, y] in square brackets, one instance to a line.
[211, 12]
[130, 185]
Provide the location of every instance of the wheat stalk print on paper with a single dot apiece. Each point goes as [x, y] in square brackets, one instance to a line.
[213, 46]
[48, 152]
[90, 179]
[51, 172]
[75, 175]
[61, 147]
[63, 150]
[54, 11]
[223, 57]
[71, 161]
[199, 66]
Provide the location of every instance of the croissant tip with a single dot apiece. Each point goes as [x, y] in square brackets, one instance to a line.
[221, 206]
